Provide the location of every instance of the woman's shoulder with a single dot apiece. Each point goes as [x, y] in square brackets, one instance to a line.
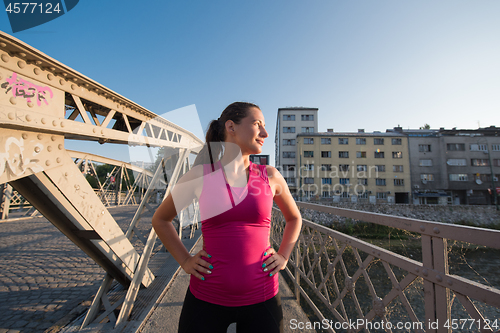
[272, 171]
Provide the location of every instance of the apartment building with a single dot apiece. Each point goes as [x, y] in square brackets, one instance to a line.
[290, 122]
[366, 167]
[454, 166]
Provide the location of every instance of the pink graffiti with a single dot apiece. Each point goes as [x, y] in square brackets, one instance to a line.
[26, 89]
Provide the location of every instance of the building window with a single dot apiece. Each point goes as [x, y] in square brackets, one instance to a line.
[457, 162]
[326, 194]
[362, 181]
[378, 141]
[361, 168]
[379, 154]
[455, 147]
[326, 154]
[478, 147]
[326, 181]
[308, 141]
[363, 195]
[380, 168]
[495, 147]
[308, 180]
[396, 141]
[397, 168]
[427, 177]
[306, 117]
[382, 195]
[288, 154]
[458, 177]
[399, 182]
[397, 154]
[288, 129]
[479, 162]
[288, 167]
[326, 167]
[288, 117]
[326, 141]
[307, 129]
[361, 154]
[308, 153]
[344, 167]
[288, 142]
[344, 195]
[343, 141]
[290, 180]
[344, 181]
[496, 162]
[343, 154]
[425, 163]
[361, 141]
[424, 148]
[309, 167]
[380, 181]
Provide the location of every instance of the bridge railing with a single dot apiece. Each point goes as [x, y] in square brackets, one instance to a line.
[352, 285]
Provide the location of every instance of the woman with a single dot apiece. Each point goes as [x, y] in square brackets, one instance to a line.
[234, 277]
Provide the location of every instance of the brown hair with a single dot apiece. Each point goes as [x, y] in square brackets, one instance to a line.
[216, 135]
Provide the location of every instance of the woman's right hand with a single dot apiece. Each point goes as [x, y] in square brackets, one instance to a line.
[195, 265]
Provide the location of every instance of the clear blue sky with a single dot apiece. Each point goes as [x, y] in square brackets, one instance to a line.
[371, 64]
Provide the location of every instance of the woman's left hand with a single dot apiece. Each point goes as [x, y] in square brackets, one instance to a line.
[275, 263]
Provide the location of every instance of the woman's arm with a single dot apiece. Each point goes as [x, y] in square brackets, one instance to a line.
[283, 198]
[181, 196]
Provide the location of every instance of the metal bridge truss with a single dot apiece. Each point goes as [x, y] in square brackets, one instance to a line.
[42, 103]
[346, 280]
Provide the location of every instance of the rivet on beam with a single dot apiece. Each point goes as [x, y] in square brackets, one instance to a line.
[25, 136]
[21, 64]
[422, 228]
[49, 148]
[424, 272]
[54, 123]
[58, 160]
[60, 146]
[62, 82]
[439, 278]
[53, 138]
[37, 70]
[38, 62]
[47, 163]
[5, 58]
[65, 74]
[436, 230]
[11, 116]
[30, 104]
[63, 124]
[50, 76]
[73, 87]
[3, 44]
[44, 121]
[52, 69]
[22, 54]
[37, 149]
[12, 100]
[28, 117]
[39, 137]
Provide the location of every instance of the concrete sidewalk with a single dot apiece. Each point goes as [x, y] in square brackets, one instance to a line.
[165, 317]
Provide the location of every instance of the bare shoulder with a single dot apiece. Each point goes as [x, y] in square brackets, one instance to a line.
[272, 172]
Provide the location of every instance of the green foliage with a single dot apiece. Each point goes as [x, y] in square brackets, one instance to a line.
[372, 231]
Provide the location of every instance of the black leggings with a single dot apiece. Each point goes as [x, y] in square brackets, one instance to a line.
[201, 316]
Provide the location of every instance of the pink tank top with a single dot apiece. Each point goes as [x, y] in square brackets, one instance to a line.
[235, 223]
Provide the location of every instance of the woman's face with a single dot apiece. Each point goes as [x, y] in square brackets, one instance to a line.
[250, 133]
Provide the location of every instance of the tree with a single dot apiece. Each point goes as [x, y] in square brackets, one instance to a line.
[426, 126]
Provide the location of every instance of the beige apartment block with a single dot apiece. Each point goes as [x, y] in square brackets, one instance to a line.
[357, 167]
